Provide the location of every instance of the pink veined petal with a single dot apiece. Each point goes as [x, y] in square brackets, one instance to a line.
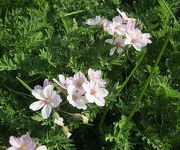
[12, 148]
[86, 87]
[25, 139]
[37, 105]
[14, 141]
[55, 100]
[45, 83]
[110, 41]
[119, 50]
[43, 147]
[100, 102]
[48, 91]
[90, 98]
[102, 92]
[137, 46]
[38, 87]
[46, 111]
[31, 146]
[37, 94]
[112, 50]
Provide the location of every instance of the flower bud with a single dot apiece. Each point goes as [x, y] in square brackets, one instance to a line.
[81, 117]
[58, 120]
[66, 131]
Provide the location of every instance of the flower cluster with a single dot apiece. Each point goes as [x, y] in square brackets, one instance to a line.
[24, 143]
[80, 91]
[124, 32]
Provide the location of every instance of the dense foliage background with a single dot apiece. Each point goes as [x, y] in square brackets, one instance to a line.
[42, 38]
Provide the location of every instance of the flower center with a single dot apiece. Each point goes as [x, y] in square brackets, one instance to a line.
[134, 40]
[23, 147]
[74, 97]
[118, 44]
[79, 84]
[93, 91]
[47, 100]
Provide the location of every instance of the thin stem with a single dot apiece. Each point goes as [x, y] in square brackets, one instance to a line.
[24, 84]
[132, 72]
[175, 20]
[148, 80]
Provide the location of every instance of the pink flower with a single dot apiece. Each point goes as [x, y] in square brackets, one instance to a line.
[119, 44]
[23, 143]
[97, 21]
[76, 82]
[115, 27]
[125, 18]
[95, 76]
[95, 93]
[76, 99]
[137, 39]
[48, 99]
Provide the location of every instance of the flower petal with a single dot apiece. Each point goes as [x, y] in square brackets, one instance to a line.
[46, 111]
[100, 102]
[37, 105]
[55, 100]
[14, 141]
[48, 91]
[12, 148]
[112, 50]
[43, 147]
[37, 94]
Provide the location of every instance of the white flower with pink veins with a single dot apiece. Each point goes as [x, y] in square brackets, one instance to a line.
[95, 76]
[76, 83]
[76, 99]
[137, 39]
[95, 93]
[24, 143]
[47, 99]
[97, 21]
[119, 44]
[115, 27]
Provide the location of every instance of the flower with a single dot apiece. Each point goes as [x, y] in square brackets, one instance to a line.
[61, 82]
[66, 131]
[23, 143]
[48, 99]
[76, 99]
[119, 45]
[95, 93]
[42, 147]
[97, 21]
[115, 27]
[137, 39]
[125, 18]
[95, 76]
[76, 83]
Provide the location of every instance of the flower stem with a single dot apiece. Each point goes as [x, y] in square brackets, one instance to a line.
[132, 72]
[148, 80]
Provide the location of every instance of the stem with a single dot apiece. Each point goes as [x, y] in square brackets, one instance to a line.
[132, 72]
[148, 80]
[124, 84]
[24, 84]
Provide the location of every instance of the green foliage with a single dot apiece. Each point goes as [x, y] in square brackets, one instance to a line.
[41, 38]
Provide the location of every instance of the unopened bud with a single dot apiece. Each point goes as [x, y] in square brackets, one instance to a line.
[65, 130]
[58, 120]
[81, 117]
